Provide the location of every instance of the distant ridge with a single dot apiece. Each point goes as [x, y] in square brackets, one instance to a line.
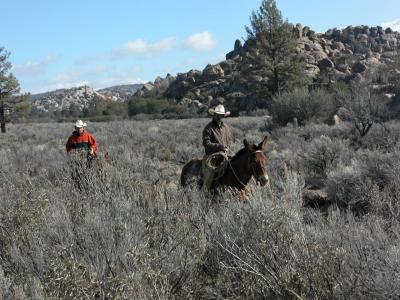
[80, 97]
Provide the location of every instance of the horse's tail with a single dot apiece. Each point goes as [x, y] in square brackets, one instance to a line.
[184, 172]
[192, 168]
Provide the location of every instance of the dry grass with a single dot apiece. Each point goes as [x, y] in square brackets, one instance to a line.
[133, 234]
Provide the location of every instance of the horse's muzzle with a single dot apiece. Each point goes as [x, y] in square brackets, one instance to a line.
[263, 180]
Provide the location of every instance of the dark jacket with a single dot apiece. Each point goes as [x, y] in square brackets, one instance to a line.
[215, 137]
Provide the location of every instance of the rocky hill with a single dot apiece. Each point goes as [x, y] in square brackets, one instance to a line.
[342, 55]
[80, 97]
[339, 54]
[120, 92]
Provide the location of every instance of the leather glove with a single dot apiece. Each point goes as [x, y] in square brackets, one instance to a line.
[221, 147]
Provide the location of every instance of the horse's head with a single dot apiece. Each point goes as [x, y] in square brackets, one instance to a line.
[257, 161]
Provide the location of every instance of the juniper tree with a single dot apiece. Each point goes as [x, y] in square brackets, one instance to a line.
[9, 85]
[271, 65]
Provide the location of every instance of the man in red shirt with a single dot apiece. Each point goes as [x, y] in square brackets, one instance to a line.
[81, 140]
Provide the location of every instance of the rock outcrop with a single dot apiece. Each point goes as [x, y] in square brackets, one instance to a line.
[120, 92]
[343, 55]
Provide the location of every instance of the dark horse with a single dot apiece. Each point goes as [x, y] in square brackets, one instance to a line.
[247, 162]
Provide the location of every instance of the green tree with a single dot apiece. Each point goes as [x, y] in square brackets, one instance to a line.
[23, 110]
[9, 86]
[271, 65]
[149, 105]
[95, 108]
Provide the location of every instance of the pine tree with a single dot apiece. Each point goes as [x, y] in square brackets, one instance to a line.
[271, 64]
[9, 85]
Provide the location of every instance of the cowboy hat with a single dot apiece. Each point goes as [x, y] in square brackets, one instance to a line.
[219, 110]
[80, 124]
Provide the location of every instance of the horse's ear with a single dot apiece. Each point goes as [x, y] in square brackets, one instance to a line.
[246, 144]
[107, 158]
[261, 146]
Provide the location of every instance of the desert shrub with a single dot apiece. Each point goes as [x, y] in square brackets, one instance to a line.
[255, 113]
[381, 168]
[362, 106]
[347, 188]
[382, 137]
[385, 204]
[266, 250]
[317, 105]
[322, 155]
[133, 233]
[312, 130]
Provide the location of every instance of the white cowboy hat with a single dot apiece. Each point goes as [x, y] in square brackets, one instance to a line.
[80, 124]
[219, 110]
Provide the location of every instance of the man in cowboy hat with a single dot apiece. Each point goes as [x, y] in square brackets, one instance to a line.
[81, 140]
[216, 133]
[215, 139]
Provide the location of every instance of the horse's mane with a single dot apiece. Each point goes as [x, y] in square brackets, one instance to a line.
[238, 154]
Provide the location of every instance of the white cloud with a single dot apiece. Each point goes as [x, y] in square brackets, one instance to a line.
[202, 41]
[144, 48]
[395, 25]
[119, 79]
[100, 69]
[89, 59]
[32, 67]
[135, 69]
[62, 85]
[61, 78]
[97, 77]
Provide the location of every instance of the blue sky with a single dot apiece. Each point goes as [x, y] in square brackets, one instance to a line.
[60, 44]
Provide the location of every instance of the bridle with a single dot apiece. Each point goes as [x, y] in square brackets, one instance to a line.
[253, 172]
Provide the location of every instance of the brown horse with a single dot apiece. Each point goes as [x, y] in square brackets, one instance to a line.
[247, 162]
